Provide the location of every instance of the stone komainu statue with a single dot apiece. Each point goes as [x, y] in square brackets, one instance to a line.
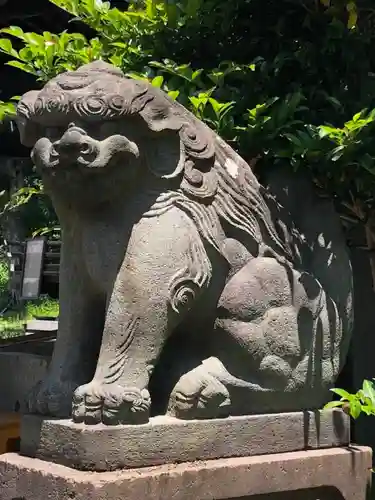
[181, 276]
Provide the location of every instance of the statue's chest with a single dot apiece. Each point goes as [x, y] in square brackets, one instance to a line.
[103, 248]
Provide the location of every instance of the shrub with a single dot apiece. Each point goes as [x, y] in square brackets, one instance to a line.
[286, 81]
[361, 402]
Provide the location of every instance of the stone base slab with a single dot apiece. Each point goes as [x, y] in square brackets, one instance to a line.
[332, 474]
[166, 440]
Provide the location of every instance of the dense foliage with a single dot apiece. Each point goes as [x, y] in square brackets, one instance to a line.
[281, 80]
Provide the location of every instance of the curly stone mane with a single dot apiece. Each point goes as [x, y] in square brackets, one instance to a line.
[216, 183]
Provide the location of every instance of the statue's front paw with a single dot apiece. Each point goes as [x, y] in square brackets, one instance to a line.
[110, 404]
[51, 397]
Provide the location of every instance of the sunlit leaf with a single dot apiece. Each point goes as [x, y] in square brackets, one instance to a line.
[27, 68]
[6, 46]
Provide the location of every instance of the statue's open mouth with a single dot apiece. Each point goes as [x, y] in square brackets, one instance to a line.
[76, 148]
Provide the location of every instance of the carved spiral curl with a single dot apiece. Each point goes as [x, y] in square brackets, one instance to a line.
[90, 106]
[39, 106]
[183, 294]
[58, 103]
[193, 175]
[198, 185]
[197, 142]
[117, 104]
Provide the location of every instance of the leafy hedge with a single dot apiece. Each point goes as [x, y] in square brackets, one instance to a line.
[281, 80]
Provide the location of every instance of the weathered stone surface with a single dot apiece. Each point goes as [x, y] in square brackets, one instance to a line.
[345, 473]
[168, 440]
[181, 275]
[19, 372]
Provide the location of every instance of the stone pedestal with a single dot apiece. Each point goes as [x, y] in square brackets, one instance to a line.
[290, 456]
[166, 440]
[331, 474]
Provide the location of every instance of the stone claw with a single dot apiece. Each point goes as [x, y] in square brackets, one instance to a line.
[110, 404]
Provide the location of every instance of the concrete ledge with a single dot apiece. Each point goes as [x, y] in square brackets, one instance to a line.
[168, 440]
[37, 325]
[333, 474]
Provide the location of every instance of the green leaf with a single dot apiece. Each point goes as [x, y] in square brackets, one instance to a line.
[293, 139]
[7, 109]
[343, 394]
[216, 77]
[192, 7]
[333, 404]
[367, 410]
[335, 102]
[172, 13]
[216, 106]
[120, 45]
[355, 409]
[34, 39]
[198, 102]
[27, 68]
[137, 76]
[151, 8]
[325, 130]
[337, 153]
[367, 162]
[196, 74]
[7, 47]
[173, 94]
[15, 31]
[157, 81]
[369, 390]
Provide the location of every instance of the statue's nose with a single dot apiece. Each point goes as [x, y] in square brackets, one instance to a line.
[70, 143]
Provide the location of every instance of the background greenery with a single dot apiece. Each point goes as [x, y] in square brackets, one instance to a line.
[283, 81]
[13, 321]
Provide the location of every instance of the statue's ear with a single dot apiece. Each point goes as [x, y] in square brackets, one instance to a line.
[165, 154]
[29, 131]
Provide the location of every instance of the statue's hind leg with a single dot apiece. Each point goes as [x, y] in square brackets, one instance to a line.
[273, 347]
[200, 393]
[207, 391]
[254, 341]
